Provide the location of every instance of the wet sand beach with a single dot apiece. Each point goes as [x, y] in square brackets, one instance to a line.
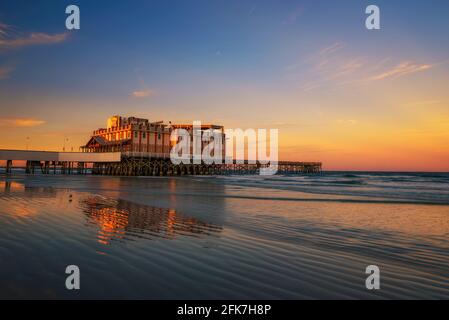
[278, 237]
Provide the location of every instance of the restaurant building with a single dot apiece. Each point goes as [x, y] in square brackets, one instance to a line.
[137, 135]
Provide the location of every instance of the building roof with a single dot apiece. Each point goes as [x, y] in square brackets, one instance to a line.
[103, 142]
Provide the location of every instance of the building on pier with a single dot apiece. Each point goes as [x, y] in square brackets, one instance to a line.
[214, 130]
[130, 134]
[135, 146]
[139, 135]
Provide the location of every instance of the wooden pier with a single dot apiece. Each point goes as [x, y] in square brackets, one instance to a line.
[137, 164]
[164, 167]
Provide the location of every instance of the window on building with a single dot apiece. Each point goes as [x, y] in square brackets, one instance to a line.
[159, 136]
[135, 134]
[143, 135]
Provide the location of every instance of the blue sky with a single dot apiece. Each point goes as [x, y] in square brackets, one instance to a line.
[162, 43]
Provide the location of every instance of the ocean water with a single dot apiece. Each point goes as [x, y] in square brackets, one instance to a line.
[225, 237]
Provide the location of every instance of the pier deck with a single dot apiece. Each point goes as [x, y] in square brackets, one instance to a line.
[136, 164]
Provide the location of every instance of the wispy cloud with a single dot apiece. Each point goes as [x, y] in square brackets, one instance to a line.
[309, 86]
[321, 59]
[347, 68]
[35, 38]
[4, 30]
[143, 93]
[402, 69]
[20, 122]
[335, 66]
[328, 66]
[332, 48]
[11, 38]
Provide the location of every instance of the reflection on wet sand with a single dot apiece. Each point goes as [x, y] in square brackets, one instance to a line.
[214, 242]
[124, 220]
[11, 186]
[116, 219]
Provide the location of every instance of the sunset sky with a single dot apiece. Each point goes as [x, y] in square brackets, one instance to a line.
[338, 93]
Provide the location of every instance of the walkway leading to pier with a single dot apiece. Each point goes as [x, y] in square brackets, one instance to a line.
[64, 162]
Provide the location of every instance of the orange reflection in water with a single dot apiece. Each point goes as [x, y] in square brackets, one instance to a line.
[12, 186]
[19, 209]
[124, 220]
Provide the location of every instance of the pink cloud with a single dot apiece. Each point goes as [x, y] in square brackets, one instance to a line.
[35, 38]
[143, 93]
[20, 122]
[402, 69]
